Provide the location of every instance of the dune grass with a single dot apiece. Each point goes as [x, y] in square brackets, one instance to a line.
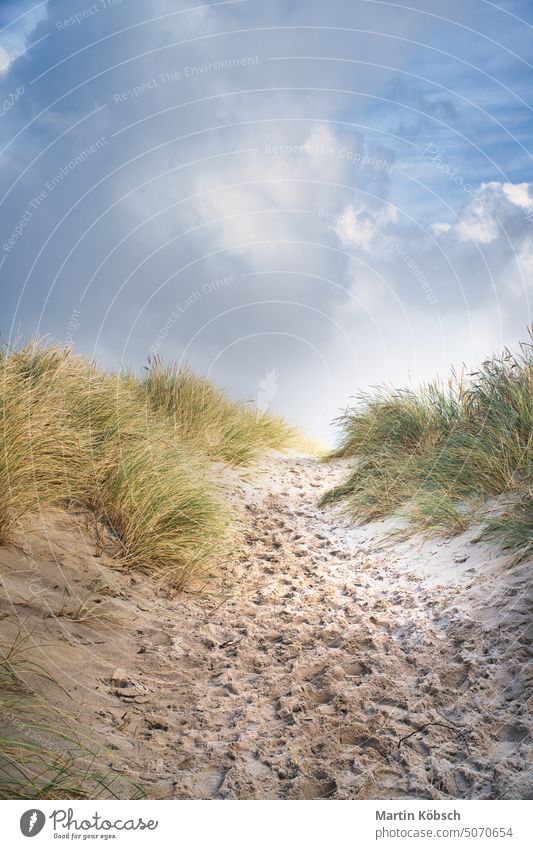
[514, 528]
[41, 757]
[435, 454]
[138, 451]
[144, 455]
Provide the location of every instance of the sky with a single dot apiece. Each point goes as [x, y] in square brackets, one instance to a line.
[299, 199]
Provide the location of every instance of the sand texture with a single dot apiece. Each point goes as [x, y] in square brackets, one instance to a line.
[321, 661]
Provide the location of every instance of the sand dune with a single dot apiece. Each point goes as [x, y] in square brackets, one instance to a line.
[319, 662]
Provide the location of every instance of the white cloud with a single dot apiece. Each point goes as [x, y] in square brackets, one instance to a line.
[278, 173]
[519, 194]
[440, 228]
[477, 224]
[5, 60]
[15, 37]
[349, 259]
[484, 216]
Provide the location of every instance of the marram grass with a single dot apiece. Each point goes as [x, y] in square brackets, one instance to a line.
[236, 433]
[435, 454]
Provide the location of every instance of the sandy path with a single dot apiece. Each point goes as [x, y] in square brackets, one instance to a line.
[315, 667]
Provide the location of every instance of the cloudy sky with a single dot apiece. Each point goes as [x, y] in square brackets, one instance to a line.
[299, 198]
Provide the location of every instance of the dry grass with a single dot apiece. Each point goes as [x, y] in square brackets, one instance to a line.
[201, 414]
[139, 452]
[143, 455]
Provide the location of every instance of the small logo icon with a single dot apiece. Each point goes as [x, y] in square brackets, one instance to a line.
[32, 822]
[268, 389]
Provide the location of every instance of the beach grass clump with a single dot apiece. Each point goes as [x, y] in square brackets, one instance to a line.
[514, 528]
[160, 501]
[435, 453]
[201, 414]
[436, 512]
[43, 459]
[138, 451]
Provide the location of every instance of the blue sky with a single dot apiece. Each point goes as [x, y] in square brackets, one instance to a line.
[335, 194]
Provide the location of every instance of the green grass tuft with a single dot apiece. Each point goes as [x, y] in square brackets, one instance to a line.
[41, 757]
[434, 453]
[236, 433]
[139, 452]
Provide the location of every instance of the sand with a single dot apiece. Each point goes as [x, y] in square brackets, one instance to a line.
[321, 661]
